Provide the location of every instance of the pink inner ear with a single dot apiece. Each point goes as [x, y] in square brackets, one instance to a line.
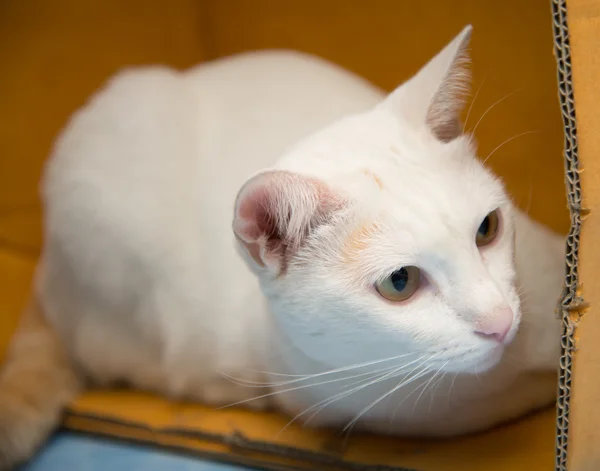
[256, 225]
[275, 212]
[253, 249]
[254, 215]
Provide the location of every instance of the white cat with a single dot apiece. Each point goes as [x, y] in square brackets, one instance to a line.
[386, 263]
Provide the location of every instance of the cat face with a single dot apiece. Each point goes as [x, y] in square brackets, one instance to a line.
[383, 236]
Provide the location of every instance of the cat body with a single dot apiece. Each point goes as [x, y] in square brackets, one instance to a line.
[331, 186]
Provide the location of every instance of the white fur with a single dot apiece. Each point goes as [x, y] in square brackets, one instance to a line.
[141, 275]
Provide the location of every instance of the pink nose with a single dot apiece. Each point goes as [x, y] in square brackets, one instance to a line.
[497, 325]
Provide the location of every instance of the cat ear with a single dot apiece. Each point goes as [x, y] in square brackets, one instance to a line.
[275, 212]
[436, 95]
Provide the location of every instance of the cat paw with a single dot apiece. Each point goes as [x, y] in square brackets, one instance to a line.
[22, 431]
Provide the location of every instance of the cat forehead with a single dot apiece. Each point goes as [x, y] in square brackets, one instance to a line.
[431, 229]
[410, 169]
[379, 141]
[445, 199]
[411, 210]
[374, 134]
[430, 210]
[403, 175]
[453, 186]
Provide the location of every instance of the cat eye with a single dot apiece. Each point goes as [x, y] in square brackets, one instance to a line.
[488, 229]
[400, 285]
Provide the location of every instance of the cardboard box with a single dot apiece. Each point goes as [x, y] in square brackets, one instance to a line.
[54, 54]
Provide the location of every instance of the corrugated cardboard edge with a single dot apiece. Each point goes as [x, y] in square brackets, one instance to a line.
[571, 299]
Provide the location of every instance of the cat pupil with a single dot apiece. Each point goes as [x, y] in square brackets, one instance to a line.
[400, 279]
[485, 226]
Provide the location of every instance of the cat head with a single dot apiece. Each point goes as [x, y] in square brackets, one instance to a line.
[382, 236]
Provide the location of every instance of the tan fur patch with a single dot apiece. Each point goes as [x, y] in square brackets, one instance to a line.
[374, 177]
[359, 241]
[36, 383]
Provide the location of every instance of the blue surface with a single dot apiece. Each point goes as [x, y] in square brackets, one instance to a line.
[67, 451]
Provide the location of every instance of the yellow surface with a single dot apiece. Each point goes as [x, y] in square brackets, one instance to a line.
[524, 446]
[54, 54]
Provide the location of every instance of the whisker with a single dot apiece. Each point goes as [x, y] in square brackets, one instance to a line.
[530, 198]
[418, 375]
[421, 385]
[258, 384]
[336, 370]
[506, 142]
[451, 387]
[404, 400]
[319, 406]
[411, 393]
[492, 106]
[523, 293]
[400, 385]
[428, 383]
[415, 390]
[478, 378]
[273, 393]
[525, 299]
[522, 290]
[472, 103]
[435, 388]
[329, 381]
[261, 384]
[344, 394]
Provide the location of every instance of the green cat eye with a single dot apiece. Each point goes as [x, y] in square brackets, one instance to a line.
[400, 285]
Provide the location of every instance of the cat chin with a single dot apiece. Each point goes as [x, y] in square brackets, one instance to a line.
[480, 364]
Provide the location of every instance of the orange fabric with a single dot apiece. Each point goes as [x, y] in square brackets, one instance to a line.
[54, 54]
